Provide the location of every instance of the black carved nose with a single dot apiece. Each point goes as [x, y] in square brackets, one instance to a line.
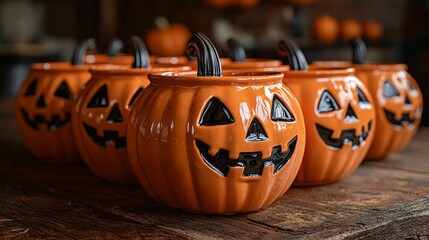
[41, 102]
[256, 132]
[115, 115]
[407, 100]
[350, 115]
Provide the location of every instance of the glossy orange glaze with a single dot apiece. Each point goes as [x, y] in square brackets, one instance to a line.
[251, 64]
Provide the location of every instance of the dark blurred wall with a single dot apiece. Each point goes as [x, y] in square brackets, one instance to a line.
[415, 47]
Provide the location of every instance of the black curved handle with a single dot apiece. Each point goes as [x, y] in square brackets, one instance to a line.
[80, 51]
[359, 51]
[140, 53]
[292, 55]
[202, 48]
[115, 47]
[235, 51]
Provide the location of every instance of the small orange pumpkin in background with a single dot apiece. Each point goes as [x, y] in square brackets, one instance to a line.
[398, 102]
[372, 30]
[167, 40]
[325, 29]
[44, 104]
[101, 113]
[215, 142]
[350, 28]
[339, 118]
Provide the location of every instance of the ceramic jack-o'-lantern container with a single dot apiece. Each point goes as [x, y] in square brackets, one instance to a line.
[212, 143]
[397, 98]
[101, 113]
[339, 118]
[239, 61]
[398, 102]
[44, 104]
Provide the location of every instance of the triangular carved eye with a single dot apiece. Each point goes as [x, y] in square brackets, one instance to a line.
[216, 113]
[134, 97]
[99, 99]
[412, 88]
[327, 103]
[31, 90]
[363, 101]
[389, 91]
[64, 91]
[280, 113]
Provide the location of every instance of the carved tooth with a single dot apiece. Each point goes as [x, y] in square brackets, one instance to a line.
[213, 150]
[268, 163]
[240, 164]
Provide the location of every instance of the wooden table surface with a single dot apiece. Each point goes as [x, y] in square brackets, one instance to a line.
[381, 199]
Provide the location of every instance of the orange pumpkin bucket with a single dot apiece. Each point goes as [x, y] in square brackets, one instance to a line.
[44, 104]
[239, 61]
[101, 113]
[397, 98]
[339, 118]
[398, 102]
[212, 143]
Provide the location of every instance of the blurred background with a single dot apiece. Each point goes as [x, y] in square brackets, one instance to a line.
[48, 30]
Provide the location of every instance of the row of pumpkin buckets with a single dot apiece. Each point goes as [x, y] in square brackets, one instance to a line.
[215, 141]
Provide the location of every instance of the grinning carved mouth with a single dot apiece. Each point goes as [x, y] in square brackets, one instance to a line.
[109, 136]
[52, 125]
[404, 119]
[347, 136]
[252, 162]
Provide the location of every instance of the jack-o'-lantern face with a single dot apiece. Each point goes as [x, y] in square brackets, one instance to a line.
[43, 110]
[216, 115]
[340, 118]
[348, 109]
[400, 100]
[103, 115]
[45, 104]
[99, 121]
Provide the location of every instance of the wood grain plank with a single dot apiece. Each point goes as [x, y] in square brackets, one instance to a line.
[413, 157]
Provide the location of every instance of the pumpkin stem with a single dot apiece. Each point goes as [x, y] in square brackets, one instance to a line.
[292, 55]
[359, 51]
[235, 50]
[115, 47]
[161, 22]
[140, 53]
[80, 51]
[207, 57]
